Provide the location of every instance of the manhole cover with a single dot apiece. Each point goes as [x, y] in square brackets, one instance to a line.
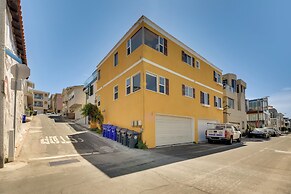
[62, 162]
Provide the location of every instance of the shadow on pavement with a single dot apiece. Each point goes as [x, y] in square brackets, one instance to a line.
[115, 160]
[58, 119]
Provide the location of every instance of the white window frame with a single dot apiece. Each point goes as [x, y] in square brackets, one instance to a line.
[217, 75]
[218, 105]
[128, 46]
[197, 63]
[205, 96]
[160, 44]
[188, 90]
[126, 86]
[157, 78]
[164, 85]
[114, 92]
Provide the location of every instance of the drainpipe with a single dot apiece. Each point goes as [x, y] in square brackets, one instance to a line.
[2, 95]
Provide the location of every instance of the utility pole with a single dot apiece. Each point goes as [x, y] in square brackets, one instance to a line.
[2, 92]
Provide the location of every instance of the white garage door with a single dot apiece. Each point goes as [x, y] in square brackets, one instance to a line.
[202, 126]
[173, 130]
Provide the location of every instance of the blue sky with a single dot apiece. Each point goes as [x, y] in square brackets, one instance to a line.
[66, 39]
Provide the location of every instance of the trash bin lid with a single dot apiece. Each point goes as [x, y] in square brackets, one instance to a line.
[118, 129]
[130, 132]
[123, 130]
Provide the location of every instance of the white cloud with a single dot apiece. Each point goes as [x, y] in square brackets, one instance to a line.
[282, 101]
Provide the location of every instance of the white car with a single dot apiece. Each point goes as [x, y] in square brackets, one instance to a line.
[223, 132]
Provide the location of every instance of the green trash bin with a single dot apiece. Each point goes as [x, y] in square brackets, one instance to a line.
[123, 136]
[132, 138]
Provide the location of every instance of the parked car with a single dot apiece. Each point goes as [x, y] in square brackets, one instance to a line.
[223, 132]
[271, 131]
[259, 132]
[278, 132]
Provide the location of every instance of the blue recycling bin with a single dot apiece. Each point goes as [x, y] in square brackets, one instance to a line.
[104, 126]
[108, 130]
[113, 133]
[23, 118]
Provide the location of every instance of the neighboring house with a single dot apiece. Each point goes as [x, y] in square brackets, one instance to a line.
[257, 112]
[73, 100]
[40, 101]
[281, 120]
[90, 90]
[56, 103]
[274, 117]
[234, 101]
[286, 122]
[152, 82]
[12, 51]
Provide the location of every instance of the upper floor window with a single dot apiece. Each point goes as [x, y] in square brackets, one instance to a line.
[197, 64]
[151, 82]
[98, 74]
[216, 77]
[136, 82]
[134, 42]
[91, 88]
[116, 59]
[157, 83]
[204, 98]
[188, 91]
[217, 102]
[156, 42]
[38, 96]
[188, 59]
[230, 103]
[38, 103]
[128, 86]
[115, 92]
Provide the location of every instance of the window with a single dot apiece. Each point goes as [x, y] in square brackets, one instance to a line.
[151, 82]
[162, 85]
[204, 98]
[230, 103]
[128, 47]
[136, 82]
[217, 102]
[91, 90]
[98, 74]
[188, 59]
[197, 64]
[115, 92]
[38, 103]
[128, 86]
[224, 82]
[216, 77]
[156, 83]
[98, 100]
[156, 42]
[116, 59]
[134, 42]
[188, 91]
[38, 96]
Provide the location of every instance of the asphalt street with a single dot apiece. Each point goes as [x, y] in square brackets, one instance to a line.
[61, 157]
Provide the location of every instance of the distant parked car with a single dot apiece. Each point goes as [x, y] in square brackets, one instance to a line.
[278, 132]
[271, 131]
[259, 132]
[34, 112]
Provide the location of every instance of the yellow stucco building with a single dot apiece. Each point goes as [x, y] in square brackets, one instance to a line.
[152, 82]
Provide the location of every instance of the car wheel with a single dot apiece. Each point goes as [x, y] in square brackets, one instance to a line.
[230, 141]
[239, 139]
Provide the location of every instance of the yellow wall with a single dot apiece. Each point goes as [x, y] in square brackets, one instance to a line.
[144, 104]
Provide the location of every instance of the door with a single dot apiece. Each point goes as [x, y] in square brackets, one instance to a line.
[203, 125]
[174, 130]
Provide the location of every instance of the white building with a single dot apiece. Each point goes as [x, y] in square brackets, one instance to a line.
[40, 101]
[12, 52]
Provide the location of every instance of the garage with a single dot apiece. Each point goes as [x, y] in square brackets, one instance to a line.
[174, 130]
[202, 126]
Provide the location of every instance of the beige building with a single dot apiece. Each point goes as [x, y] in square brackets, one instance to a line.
[234, 101]
[56, 103]
[73, 100]
[40, 101]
